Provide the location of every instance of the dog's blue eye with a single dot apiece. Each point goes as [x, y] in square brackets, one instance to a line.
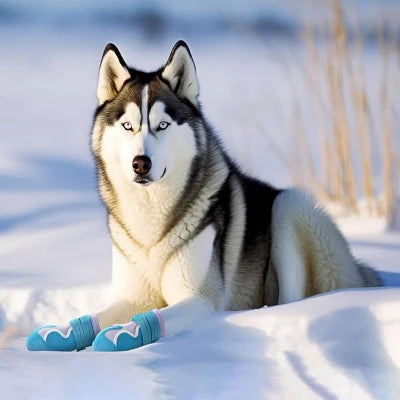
[163, 125]
[127, 126]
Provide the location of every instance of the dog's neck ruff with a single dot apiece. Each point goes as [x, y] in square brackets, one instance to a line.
[166, 211]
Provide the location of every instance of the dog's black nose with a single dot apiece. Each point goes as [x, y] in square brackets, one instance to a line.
[141, 165]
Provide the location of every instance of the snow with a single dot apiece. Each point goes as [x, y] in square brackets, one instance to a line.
[55, 251]
[338, 345]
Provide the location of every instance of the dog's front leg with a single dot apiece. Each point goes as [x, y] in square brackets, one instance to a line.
[133, 295]
[189, 287]
[151, 326]
[79, 332]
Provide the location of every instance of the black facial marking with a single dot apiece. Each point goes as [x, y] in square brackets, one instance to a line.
[180, 110]
[177, 109]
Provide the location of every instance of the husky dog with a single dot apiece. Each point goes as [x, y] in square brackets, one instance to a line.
[191, 233]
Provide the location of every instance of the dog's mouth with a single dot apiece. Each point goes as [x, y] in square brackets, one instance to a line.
[143, 181]
[146, 179]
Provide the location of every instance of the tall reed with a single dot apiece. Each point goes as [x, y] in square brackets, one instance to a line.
[348, 119]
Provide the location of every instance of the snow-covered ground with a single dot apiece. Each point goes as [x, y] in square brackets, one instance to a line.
[341, 345]
[55, 252]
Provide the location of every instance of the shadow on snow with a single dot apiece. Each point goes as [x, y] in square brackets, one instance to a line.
[50, 173]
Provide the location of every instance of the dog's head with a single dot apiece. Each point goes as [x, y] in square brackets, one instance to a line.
[146, 125]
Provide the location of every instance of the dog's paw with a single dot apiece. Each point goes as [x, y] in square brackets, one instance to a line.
[121, 337]
[141, 330]
[51, 338]
[77, 335]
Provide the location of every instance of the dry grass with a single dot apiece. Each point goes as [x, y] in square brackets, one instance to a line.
[347, 118]
[9, 332]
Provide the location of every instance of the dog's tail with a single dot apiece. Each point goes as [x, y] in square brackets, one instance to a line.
[369, 275]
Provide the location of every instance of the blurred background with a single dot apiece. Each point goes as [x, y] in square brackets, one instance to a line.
[303, 93]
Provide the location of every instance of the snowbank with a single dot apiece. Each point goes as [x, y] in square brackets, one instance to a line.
[338, 345]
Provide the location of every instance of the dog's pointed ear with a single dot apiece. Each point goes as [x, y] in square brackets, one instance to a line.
[113, 73]
[180, 73]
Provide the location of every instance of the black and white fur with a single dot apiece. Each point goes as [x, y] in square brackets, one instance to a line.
[195, 234]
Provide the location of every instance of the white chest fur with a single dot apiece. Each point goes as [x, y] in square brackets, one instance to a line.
[160, 269]
[139, 232]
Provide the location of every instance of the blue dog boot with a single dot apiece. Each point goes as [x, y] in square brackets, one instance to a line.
[77, 335]
[141, 330]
